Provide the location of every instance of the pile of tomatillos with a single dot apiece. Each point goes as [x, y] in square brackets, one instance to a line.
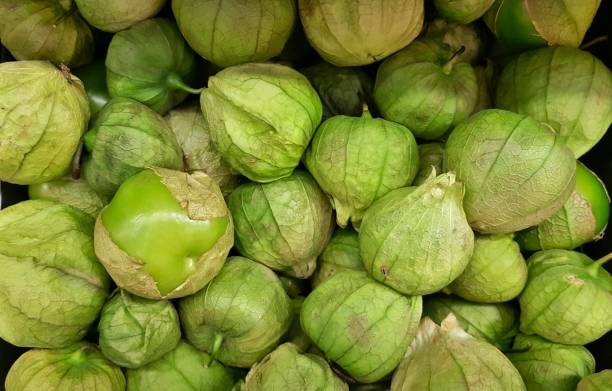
[282, 195]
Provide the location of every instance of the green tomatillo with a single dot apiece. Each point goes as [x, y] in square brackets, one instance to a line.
[74, 192]
[116, 15]
[341, 253]
[165, 234]
[93, 76]
[599, 381]
[462, 11]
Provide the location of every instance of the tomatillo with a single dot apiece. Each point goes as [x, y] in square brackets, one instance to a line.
[93, 76]
[165, 234]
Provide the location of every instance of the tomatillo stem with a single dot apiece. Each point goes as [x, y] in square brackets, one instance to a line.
[218, 341]
[176, 83]
[604, 259]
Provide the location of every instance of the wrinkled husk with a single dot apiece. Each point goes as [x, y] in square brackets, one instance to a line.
[363, 326]
[183, 369]
[79, 367]
[202, 199]
[45, 30]
[199, 153]
[431, 157]
[443, 355]
[44, 112]
[495, 323]
[341, 253]
[497, 149]
[343, 91]
[52, 287]
[425, 89]
[130, 137]
[463, 11]
[287, 368]
[357, 160]
[74, 192]
[456, 36]
[151, 63]
[497, 271]
[342, 33]
[417, 239]
[285, 224]
[246, 306]
[599, 381]
[261, 118]
[235, 32]
[536, 83]
[567, 299]
[116, 15]
[136, 331]
[549, 366]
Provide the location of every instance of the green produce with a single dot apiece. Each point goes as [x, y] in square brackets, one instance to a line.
[417, 239]
[463, 11]
[52, 287]
[599, 381]
[426, 88]
[495, 323]
[45, 30]
[261, 118]
[516, 172]
[74, 192]
[286, 368]
[43, 112]
[341, 253]
[153, 209]
[294, 287]
[296, 335]
[484, 78]
[183, 369]
[240, 316]
[136, 331]
[568, 297]
[363, 326]
[150, 62]
[234, 32]
[524, 24]
[284, 224]
[343, 31]
[446, 357]
[457, 36]
[549, 366]
[124, 138]
[79, 367]
[199, 153]
[496, 273]
[431, 160]
[357, 160]
[116, 15]
[583, 217]
[343, 91]
[93, 76]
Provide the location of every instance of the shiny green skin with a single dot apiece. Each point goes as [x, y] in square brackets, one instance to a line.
[426, 89]
[417, 239]
[341, 253]
[583, 217]
[509, 20]
[599, 381]
[496, 273]
[150, 62]
[124, 138]
[286, 368]
[549, 366]
[446, 358]
[536, 83]
[93, 76]
[52, 287]
[457, 35]
[244, 307]
[462, 11]
[45, 30]
[79, 367]
[44, 112]
[74, 192]
[261, 118]
[361, 325]
[235, 32]
[343, 91]
[183, 369]
[116, 15]
[357, 160]
[495, 323]
[144, 216]
[284, 225]
[431, 157]
[497, 149]
[567, 299]
[135, 331]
